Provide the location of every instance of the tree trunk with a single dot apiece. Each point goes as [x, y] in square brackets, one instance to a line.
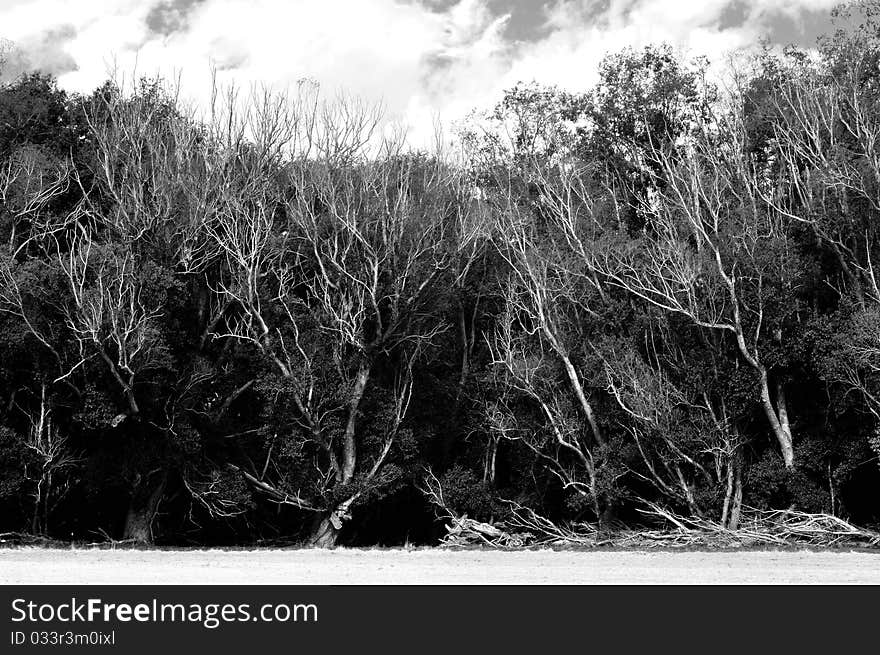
[465, 357]
[36, 524]
[142, 511]
[325, 534]
[491, 456]
[575, 382]
[831, 491]
[328, 525]
[728, 495]
[733, 498]
[582, 397]
[784, 426]
[349, 449]
[778, 417]
[736, 505]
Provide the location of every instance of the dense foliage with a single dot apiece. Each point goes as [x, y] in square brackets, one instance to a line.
[272, 324]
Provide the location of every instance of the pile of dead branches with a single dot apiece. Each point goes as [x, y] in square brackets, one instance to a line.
[523, 527]
[784, 528]
[757, 528]
[24, 539]
[462, 531]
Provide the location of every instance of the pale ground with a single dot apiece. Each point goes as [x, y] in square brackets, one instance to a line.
[83, 566]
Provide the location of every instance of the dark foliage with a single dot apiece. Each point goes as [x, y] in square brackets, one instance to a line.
[269, 329]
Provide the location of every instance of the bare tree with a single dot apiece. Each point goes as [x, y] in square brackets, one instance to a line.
[717, 254]
[826, 135]
[157, 167]
[29, 182]
[682, 440]
[331, 268]
[110, 313]
[525, 369]
[113, 315]
[546, 288]
[53, 460]
[547, 298]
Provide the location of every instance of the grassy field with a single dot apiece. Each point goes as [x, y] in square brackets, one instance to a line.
[84, 566]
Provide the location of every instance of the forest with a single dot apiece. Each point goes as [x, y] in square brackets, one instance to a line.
[275, 322]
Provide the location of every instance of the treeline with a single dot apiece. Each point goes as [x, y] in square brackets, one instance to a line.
[274, 323]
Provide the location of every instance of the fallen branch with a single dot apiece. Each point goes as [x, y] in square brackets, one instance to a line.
[524, 527]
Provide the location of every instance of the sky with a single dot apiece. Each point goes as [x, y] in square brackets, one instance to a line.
[425, 60]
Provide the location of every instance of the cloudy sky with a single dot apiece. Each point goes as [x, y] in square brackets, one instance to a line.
[423, 58]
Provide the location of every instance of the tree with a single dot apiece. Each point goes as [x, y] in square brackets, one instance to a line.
[328, 272]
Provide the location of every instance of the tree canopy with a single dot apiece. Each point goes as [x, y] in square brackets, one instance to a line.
[277, 325]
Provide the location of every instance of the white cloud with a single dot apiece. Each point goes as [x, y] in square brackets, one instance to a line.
[420, 61]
